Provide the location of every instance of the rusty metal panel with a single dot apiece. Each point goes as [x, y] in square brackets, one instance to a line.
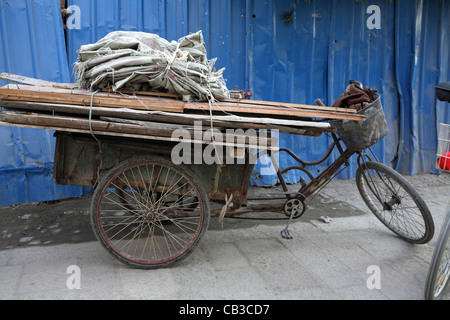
[79, 162]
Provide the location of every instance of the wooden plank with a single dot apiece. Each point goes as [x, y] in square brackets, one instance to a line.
[96, 111]
[132, 136]
[78, 123]
[284, 126]
[144, 93]
[35, 82]
[274, 111]
[288, 105]
[161, 116]
[83, 97]
[95, 132]
[154, 130]
[205, 129]
[243, 101]
[42, 83]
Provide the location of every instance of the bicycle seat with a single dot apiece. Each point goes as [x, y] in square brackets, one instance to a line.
[443, 91]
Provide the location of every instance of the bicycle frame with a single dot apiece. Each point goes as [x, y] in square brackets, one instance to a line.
[323, 178]
[307, 190]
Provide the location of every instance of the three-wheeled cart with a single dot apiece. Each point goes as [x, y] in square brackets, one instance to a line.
[150, 211]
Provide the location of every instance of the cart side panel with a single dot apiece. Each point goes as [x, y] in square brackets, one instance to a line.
[78, 161]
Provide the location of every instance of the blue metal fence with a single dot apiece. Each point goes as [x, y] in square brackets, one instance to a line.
[32, 44]
[294, 51]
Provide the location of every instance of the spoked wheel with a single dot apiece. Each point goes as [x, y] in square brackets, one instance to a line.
[439, 270]
[395, 202]
[149, 213]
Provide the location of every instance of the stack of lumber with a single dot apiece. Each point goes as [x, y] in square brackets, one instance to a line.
[148, 115]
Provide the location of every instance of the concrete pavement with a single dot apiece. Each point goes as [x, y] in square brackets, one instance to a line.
[353, 257]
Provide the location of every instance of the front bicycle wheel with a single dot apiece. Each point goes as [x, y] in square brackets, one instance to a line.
[439, 270]
[149, 213]
[395, 202]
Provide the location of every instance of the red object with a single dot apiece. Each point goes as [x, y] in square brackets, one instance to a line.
[444, 161]
[248, 93]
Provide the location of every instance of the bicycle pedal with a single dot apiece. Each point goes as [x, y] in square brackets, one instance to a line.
[286, 234]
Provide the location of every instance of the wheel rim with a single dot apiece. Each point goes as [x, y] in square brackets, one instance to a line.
[393, 204]
[150, 214]
[443, 275]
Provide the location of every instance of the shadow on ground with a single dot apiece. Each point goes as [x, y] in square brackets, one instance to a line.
[68, 221]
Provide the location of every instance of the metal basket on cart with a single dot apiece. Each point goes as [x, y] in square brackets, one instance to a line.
[360, 135]
[443, 151]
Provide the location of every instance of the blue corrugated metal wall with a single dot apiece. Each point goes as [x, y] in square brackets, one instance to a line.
[294, 51]
[422, 60]
[31, 44]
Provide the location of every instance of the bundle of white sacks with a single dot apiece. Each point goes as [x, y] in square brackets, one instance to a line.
[141, 61]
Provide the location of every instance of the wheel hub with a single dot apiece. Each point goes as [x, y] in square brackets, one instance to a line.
[150, 215]
[389, 205]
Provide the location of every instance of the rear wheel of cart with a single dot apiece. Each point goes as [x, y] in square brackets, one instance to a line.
[149, 213]
[395, 202]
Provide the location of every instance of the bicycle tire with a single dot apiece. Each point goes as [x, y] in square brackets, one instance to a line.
[416, 224]
[438, 275]
[149, 213]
